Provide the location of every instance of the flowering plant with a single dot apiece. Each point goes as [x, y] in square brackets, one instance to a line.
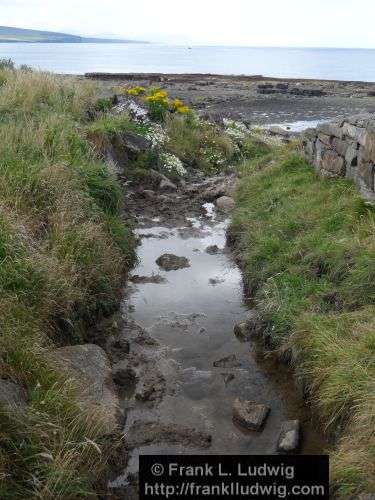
[171, 164]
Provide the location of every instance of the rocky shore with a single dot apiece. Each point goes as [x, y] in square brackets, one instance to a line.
[256, 99]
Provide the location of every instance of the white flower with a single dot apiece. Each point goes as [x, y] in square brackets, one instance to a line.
[156, 135]
[236, 130]
[171, 163]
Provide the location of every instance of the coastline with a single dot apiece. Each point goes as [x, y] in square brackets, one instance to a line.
[253, 99]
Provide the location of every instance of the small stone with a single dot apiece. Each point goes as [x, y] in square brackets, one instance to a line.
[289, 436]
[167, 185]
[241, 331]
[249, 414]
[227, 362]
[120, 345]
[227, 377]
[170, 262]
[215, 281]
[225, 204]
[212, 250]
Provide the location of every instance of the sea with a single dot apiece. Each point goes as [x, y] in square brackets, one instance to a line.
[319, 63]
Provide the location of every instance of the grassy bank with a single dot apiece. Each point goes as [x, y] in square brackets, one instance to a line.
[64, 250]
[308, 252]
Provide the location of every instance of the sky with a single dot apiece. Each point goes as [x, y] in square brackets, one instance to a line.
[300, 23]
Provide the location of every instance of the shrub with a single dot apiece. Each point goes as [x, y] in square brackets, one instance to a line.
[199, 144]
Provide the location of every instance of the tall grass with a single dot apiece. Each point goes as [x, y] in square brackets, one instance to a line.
[64, 249]
[307, 246]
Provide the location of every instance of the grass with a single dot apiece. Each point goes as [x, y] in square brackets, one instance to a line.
[64, 250]
[307, 247]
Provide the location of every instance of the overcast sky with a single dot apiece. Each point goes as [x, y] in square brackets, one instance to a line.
[317, 23]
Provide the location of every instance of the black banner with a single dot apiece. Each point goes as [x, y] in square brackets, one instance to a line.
[232, 477]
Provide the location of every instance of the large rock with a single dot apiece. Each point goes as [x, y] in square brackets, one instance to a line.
[89, 367]
[289, 437]
[170, 262]
[167, 186]
[249, 414]
[333, 164]
[135, 144]
[369, 142]
[225, 204]
[12, 395]
[353, 132]
[331, 129]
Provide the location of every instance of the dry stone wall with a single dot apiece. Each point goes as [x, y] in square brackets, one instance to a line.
[345, 148]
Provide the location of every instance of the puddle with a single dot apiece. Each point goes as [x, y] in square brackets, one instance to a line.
[191, 316]
[298, 126]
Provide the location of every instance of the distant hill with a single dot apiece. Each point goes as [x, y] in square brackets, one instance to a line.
[17, 35]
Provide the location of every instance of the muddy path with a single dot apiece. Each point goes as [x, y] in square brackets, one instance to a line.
[184, 366]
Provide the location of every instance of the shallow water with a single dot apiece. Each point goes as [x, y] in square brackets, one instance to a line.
[193, 320]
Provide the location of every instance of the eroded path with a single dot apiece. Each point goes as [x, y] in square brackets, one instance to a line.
[186, 364]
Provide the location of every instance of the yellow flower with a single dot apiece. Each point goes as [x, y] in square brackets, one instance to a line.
[177, 103]
[183, 110]
[135, 91]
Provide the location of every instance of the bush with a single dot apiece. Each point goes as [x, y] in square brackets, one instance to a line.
[199, 144]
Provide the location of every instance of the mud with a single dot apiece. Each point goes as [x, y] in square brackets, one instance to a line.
[177, 349]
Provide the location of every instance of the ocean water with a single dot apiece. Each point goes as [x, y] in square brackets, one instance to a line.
[337, 64]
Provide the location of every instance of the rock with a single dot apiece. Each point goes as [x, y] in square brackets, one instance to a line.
[149, 194]
[251, 326]
[331, 129]
[12, 395]
[227, 362]
[170, 262]
[249, 414]
[289, 437]
[216, 281]
[88, 365]
[275, 130]
[356, 133]
[119, 347]
[227, 377]
[124, 377]
[225, 203]
[167, 186]
[333, 163]
[155, 278]
[212, 250]
[241, 331]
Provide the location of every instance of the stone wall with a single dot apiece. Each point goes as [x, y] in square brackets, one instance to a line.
[345, 148]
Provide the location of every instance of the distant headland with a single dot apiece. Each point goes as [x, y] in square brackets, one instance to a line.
[19, 35]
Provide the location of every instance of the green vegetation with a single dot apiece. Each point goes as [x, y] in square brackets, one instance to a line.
[64, 250]
[308, 250]
[199, 144]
